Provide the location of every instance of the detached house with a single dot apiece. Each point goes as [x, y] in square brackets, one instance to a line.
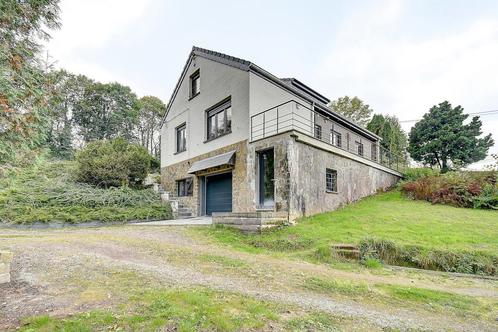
[241, 144]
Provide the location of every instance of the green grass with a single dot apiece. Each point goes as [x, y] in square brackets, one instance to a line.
[48, 192]
[183, 310]
[386, 216]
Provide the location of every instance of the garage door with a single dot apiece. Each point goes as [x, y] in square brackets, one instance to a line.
[219, 193]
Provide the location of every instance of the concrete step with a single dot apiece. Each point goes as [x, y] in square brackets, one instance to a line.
[345, 246]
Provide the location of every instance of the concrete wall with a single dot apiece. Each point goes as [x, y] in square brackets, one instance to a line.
[217, 82]
[307, 167]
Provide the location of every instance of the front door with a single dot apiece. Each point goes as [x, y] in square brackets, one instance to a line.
[219, 193]
[266, 179]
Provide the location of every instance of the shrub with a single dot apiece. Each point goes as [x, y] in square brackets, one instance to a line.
[429, 259]
[113, 163]
[412, 174]
[461, 189]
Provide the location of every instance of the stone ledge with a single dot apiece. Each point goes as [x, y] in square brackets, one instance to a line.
[5, 260]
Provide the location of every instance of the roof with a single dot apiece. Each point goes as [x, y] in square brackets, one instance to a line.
[290, 84]
[219, 160]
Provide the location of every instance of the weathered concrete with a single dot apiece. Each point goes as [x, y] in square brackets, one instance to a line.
[251, 222]
[198, 221]
[5, 260]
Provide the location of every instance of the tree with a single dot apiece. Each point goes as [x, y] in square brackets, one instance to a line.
[23, 83]
[106, 111]
[67, 91]
[442, 139]
[394, 138]
[352, 108]
[150, 112]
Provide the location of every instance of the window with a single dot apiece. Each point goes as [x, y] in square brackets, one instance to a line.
[219, 121]
[359, 148]
[318, 131]
[374, 152]
[181, 138]
[335, 138]
[331, 180]
[195, 84]
[185, 187]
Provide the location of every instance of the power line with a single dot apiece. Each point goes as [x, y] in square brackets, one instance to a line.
[483, 113]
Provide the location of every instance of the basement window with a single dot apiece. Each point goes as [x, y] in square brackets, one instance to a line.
[185, 187]
[331, 180]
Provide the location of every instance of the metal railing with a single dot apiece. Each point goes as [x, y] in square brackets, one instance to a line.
[293, 115]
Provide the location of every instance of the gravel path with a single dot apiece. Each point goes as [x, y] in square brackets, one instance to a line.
[46, 261]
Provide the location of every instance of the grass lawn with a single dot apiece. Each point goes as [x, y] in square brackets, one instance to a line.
[48, 192]
[386, 216]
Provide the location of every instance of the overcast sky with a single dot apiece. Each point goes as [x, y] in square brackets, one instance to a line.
[401, 57]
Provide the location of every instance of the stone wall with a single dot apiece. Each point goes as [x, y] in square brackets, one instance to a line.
[355, 180]
[242, 196]
[5, 259]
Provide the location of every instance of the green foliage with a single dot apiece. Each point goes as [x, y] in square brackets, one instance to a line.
[461, 189]
[442, 139]
[394, 138]
[113, 163]
[48, 192]
[106, 111]
[352, 108]
[66, 91]
[431, 259]
[23, 82]
[150, 112]
[415, 173]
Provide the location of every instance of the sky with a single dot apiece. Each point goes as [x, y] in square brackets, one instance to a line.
[399, 56]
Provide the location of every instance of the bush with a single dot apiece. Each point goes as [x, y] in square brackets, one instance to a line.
[412, 174]
[429, 259]
[113, 163]
[460, 189]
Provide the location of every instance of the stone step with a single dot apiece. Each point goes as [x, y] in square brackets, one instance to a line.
[344, 246]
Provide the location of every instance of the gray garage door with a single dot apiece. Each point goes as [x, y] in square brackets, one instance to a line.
[219, 193]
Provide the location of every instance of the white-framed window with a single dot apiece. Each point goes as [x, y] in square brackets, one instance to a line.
[335, 138]
[331, 180]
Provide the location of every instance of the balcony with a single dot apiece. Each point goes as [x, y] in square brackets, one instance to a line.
[294, 116]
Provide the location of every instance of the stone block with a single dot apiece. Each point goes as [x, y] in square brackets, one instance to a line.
[5, 260]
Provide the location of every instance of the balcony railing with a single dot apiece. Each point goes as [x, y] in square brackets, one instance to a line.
[293, 115]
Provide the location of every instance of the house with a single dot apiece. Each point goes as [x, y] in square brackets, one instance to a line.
[241, 144]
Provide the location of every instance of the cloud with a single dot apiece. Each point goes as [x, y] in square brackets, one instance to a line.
[401, 75]
[88, 25]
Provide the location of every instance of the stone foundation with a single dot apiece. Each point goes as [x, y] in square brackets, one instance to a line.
[242, 196]
[5, 260]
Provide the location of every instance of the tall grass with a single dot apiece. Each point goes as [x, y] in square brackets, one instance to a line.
[49, 192]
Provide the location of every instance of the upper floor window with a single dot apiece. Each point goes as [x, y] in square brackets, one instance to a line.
[195, 84]
[335, 138]
[359, 147]
[181, 138]
[318, 131]
[331, 180]
[219, 120]
[374, 152]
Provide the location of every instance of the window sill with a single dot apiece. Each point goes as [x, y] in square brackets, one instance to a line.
[178, 152]
[212, 139]
[192, 97]
[331, 192]
[265, 208]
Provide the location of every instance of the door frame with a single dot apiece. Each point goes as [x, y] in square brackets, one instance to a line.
[203, 189]
[258, 193]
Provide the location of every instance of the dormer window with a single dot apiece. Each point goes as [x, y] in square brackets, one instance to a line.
[195, 84]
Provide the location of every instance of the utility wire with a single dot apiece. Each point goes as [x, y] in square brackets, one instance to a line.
[483, 113]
